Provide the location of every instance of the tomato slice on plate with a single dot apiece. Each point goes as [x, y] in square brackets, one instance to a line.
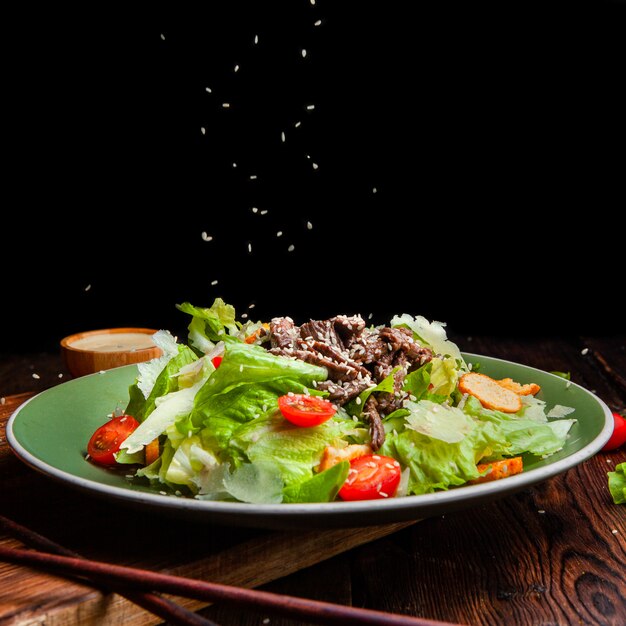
[371, 477]
[307, 411]
[107, 439]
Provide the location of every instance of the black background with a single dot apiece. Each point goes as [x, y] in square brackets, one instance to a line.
[493, 134]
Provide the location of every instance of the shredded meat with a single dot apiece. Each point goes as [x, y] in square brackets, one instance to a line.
[355, 357]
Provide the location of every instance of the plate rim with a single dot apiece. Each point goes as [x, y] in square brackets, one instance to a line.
[233, 510]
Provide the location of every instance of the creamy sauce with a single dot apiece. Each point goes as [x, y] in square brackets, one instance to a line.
[114, 342]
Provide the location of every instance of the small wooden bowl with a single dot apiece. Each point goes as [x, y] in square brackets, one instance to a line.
[97, 350]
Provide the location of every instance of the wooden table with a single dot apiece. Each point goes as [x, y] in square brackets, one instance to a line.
[553, 554]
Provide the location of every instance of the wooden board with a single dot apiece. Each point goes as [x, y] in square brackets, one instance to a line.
[108, 532]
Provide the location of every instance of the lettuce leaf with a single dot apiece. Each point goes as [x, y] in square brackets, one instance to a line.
[617, 484]
[523, 434]
[323, 487]
[209, 325]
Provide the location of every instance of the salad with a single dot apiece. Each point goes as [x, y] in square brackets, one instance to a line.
[328, 410]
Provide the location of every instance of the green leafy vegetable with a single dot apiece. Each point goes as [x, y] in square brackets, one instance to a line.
[617, 484]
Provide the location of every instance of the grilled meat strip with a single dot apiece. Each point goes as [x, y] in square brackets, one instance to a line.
[355, 357]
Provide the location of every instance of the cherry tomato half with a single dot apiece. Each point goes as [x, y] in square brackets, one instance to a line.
[618, 438]
[106, 441]
[371, 477]
[303, 410]
[216, 360]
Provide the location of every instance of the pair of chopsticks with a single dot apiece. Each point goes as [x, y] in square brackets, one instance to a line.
[138, 586]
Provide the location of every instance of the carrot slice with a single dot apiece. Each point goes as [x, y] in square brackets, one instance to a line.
[498, 469]
[152, 451]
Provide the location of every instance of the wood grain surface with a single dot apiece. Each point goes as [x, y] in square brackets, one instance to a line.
[552, 554]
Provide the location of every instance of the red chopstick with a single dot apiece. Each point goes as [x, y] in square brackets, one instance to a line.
[288, 606]
[162, 607]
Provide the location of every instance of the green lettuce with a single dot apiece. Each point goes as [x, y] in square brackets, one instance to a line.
[323, 487]
[617, 483]
[523, 434]
[209, 325]
[166, 382]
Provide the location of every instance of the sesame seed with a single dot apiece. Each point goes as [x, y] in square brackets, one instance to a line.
[3, 400]
[297, 124]
[234, 164]
[282, 136]
[162, 37]
[310, 107]
[255, 210]
[355, 418]
[226, 105]
[315, 166]
[370, 464]
[88, 287]
[541, 511]
[375, 456]
[60, 375]
[318, 23]
[358, 400]
[36, 376]
[312, 2]
[263, 212]
[101, 372]
[203, 130]
[389, 465]
[208, 90]
[383, 494]
[309, 226]
[291, 248]
[249, 247]
[370, 316]
[303, 53]
[584, 351]
[279, 233]
[214, 282]
[253, 177]
[266, 620]
[568, 384]
[609, 460]
[206, 237]
[236, 68]
[163, 493]
[614, 531]
[374, 190]
[241, 368]
[251, 306]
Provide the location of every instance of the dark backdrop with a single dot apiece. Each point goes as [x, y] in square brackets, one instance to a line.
[493, 135]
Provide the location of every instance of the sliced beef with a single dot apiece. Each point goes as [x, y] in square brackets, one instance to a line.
[402, 339]
[343, 392]
[321, 330]
[348, 328]
[356, 357]
[377, 430]
[283, 332]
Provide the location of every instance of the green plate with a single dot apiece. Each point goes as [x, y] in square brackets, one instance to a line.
[50, 433]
